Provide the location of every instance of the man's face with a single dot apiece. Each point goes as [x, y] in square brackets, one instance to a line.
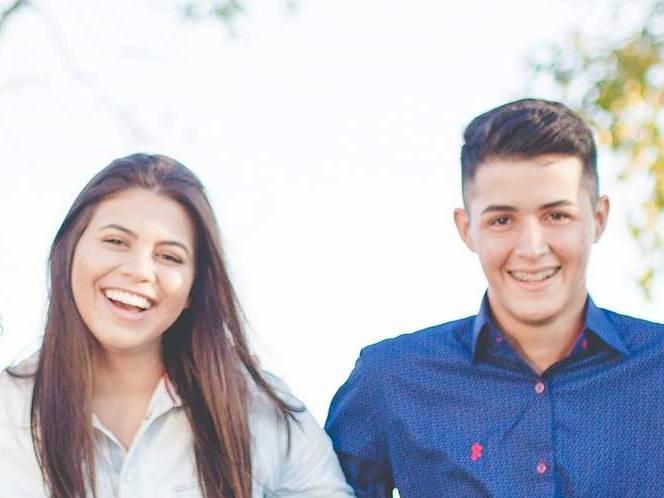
[532, 223]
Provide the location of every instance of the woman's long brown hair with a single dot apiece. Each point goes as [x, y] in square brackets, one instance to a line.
[205, 351]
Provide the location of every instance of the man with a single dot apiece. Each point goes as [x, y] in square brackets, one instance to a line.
[541, 394]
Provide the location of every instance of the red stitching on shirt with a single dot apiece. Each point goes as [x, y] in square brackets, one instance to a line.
[476, 451]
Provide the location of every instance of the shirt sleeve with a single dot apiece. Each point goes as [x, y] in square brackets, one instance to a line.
[311, 469]
[293, 459]
[356, 423]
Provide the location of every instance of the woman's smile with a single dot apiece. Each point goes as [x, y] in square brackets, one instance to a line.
[127, 305]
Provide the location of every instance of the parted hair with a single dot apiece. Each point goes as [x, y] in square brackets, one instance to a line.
[205, 352]
[525, 129]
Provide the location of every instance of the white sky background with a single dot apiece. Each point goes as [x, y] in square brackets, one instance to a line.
[328, 140]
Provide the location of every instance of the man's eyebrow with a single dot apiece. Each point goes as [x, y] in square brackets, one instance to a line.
[498, 207]
[133, 235]
[511, 209]
[556, 204]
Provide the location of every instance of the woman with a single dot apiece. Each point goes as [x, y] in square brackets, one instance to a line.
[144, 385]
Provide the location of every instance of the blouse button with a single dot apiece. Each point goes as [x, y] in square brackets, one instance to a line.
[539, 387]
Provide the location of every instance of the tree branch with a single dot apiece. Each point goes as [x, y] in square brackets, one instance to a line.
[11, 10]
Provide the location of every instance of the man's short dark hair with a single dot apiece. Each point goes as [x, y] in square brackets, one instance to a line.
[526, 129]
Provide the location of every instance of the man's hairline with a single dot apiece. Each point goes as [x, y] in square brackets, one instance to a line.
[588, 182]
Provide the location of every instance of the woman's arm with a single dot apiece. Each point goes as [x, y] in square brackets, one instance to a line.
[311, 469]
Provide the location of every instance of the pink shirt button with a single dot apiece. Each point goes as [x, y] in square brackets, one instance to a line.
[539, 387]
[541, 467]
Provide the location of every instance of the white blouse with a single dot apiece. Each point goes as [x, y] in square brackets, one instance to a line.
[160, 462]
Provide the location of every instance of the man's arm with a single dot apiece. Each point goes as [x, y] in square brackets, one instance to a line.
[357, 425]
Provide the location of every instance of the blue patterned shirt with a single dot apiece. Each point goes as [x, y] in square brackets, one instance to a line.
[454, 411]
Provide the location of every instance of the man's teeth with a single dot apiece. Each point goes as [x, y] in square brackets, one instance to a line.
[128, 298]
[524, 276]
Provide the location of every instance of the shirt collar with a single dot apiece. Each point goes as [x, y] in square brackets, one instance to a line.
[164, 398]
[596, 321]
[599, 324]
[482, 320]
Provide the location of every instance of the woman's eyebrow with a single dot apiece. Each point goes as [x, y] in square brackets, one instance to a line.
[133, 234]
[119, 227]
[175, 243]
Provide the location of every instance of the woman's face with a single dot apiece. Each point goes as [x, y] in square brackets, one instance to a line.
[133, 269]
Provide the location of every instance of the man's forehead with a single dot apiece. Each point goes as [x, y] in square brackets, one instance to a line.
[546, 166]
[532, 182]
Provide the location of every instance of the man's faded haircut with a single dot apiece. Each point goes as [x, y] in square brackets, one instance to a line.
[525, 129]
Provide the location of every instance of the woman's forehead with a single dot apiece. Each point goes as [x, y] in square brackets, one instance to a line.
[144, 212]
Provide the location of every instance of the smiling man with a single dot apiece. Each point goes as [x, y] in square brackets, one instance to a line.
[542, 393]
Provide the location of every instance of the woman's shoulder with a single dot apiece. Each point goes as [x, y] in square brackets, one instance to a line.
[261, 403]
[269, 423]
[276, 384]
[292, 453]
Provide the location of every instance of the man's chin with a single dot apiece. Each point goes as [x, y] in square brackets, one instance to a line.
[535, 315]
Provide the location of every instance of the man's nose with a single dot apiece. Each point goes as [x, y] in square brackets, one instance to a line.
[532, 240]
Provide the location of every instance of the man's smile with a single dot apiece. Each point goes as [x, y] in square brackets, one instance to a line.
[538, 275]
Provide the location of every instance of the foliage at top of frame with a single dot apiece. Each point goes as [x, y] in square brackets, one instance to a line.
[618, 85]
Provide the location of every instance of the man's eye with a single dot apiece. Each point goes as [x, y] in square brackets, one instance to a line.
[503, 220]
[558, 216]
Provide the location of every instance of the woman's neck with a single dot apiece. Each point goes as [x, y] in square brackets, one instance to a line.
[123, 387]
[126, 375]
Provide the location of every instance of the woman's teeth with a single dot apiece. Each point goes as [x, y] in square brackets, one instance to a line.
[128, 299]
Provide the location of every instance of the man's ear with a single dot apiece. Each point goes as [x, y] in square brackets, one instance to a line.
[601, 215]
[462, 222]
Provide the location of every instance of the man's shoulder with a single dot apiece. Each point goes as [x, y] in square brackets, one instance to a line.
[393, 363]
[629, 322]
[444, 338]
[638, 333]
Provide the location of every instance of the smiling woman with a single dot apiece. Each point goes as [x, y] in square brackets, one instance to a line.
[144, 385]
[134, 262]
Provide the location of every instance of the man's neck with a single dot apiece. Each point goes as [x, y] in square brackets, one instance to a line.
[543, 344]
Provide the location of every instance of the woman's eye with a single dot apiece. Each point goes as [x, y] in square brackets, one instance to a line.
[113, 241]
[170, 258]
